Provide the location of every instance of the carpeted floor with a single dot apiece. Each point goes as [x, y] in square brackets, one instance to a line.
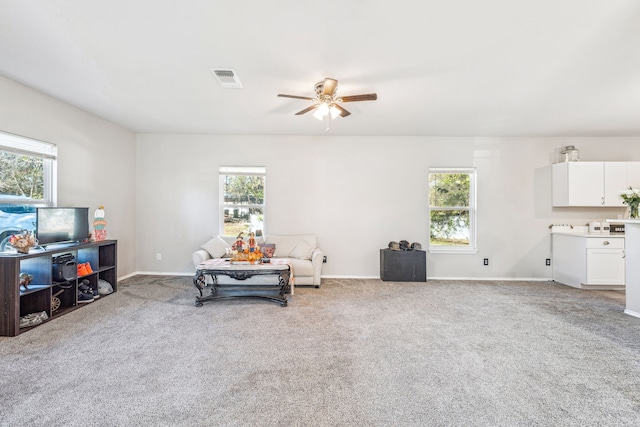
[352, 353]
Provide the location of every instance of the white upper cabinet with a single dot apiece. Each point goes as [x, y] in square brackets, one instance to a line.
[592, 183]
[633, 174]
[577, 183]
[615, 180]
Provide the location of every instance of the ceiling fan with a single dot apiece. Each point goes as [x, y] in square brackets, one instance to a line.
[326, 101]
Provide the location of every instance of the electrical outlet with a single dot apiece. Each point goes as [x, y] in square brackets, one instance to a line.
[547, 261]
[158, 256]
[486, 261]
[324, 259]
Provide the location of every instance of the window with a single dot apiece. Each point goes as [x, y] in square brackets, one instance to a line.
[452, 210]
[27, 180]
[242, 190]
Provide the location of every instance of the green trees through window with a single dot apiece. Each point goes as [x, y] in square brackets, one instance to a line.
[451, 207]
[244, 189]
[27, 181]
[21, 175]
[242, 192]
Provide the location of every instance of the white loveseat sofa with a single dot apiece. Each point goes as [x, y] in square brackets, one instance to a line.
[302, 249]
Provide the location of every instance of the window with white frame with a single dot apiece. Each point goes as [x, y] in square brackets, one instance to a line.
[452, 209]
[242, 196]
[27, 181]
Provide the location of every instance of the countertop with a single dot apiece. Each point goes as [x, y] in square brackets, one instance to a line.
[591, 235]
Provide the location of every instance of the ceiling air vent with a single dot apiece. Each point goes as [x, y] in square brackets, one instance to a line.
[227, 78]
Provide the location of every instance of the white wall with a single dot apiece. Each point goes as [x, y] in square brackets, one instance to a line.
[355, 193]
[359, 193]
[96, 159]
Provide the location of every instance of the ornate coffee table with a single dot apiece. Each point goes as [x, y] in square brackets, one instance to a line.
[219, 266]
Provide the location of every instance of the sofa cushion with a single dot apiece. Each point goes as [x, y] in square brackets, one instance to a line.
[287, 243]
[301, 267]
[229, 239]
[217, 247]
[303, 250]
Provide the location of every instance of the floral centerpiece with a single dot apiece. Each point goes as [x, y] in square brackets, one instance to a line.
[23, 242]
[247, 256]
[243, 253]
[631, 197]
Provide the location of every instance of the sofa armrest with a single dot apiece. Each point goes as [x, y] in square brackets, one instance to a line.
[316, 260]
[200, 256]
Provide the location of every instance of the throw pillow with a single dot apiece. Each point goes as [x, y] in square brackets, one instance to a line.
[216, 247]
[268, 249]
[303, 250]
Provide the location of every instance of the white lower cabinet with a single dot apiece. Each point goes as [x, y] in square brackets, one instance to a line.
[588, 261]
[605, 266]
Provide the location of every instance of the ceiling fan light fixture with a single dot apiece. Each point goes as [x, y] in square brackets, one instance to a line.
[334, 111]
[327, 103]
[321, 111]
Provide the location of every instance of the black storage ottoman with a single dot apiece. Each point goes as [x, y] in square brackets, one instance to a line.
[403, 266]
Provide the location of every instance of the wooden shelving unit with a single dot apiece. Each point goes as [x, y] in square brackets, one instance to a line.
[18, 302]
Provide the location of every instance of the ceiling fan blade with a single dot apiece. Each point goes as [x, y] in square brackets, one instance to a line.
[329, 87]
[354, 98]
[343, 112]
[296, 97]
[306, 110]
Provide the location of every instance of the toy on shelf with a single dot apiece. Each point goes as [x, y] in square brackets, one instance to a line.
[239, 245]
[25, 279]
[99, 225]
[252, 241]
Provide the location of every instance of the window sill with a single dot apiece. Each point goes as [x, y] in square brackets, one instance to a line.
[452, 250]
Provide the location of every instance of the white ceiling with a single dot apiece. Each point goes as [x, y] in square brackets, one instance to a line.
[458, 67]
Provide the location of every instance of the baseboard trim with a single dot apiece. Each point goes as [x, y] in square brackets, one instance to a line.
[331, 276]
[632, 313]
[126, 276]
[510, 279]
[494, 279]
[155, 273]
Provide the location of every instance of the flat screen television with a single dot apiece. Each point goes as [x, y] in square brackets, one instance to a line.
[60, 225]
